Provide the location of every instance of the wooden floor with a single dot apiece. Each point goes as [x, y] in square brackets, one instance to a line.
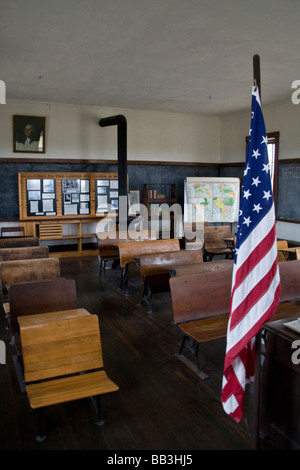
[161, 404]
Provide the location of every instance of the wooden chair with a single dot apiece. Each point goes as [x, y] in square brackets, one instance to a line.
[108, 246]
[281, 245]
[25, 270]
[128, 252]
[155, 270]
[56, 374]
[14, 230]
[214, 241]
[26, 252]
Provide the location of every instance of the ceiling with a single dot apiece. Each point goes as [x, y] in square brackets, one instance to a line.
[189, 56]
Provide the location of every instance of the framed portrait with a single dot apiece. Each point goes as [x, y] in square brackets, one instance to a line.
[29, 134]
[133, 203]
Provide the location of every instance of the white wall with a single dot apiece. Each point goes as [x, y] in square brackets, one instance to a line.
[285, 118]
[73, 132]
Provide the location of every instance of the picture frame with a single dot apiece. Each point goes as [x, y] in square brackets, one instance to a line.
[29, 134]
[133, 203]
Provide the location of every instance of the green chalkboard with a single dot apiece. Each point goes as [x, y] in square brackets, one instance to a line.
[288, 192]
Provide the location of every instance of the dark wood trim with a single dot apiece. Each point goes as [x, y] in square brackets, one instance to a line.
[131, 162]
[99, 162]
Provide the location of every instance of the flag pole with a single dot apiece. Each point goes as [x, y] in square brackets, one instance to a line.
[257, 380]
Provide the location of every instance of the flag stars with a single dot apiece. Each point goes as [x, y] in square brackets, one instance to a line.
[247, 194]
[265, 140]
[267, 195]
[257, 208]
[256, 181]
[247, 169]
[247, 221]
[266, 167]
[256, 153]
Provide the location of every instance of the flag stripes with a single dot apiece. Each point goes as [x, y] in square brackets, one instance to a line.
[255, 289]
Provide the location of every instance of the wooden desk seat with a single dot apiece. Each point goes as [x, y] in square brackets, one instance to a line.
[129, 251]
[26, 252]
[108, 246]
[8, 242]
[25, 270]
[214, 241]
[155, 270]
[204, 318]
[30, 298]
[56, 374]
[48, 295]
[281, 245]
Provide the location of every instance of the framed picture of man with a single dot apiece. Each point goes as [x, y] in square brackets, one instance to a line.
[29, 134]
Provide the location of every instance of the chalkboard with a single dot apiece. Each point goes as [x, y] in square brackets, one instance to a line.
[138, 174]
[288, 192]
[288, 189]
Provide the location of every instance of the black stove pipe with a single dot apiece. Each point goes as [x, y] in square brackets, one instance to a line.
[120, 121]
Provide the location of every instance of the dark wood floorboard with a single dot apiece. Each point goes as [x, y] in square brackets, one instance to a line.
[161, 404]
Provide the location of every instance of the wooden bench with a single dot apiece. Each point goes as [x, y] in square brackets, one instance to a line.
[63, 362]
[214, 241]
[7, 242]
[108, 246]
[203, 317]
[129, 251]
[14, 230]
[29, 298]
[155, 270]
[26, 252]
[26, 270]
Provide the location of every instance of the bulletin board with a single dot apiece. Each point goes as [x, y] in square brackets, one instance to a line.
[66, 194]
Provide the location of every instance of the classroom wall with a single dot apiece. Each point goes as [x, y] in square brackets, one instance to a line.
[73, 132]
[282, 117]
[234, 128]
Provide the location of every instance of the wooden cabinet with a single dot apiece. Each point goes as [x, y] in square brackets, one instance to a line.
[66, 237]
[280, 405]
[154, 196]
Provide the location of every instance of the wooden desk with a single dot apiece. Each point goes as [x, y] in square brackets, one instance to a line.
[280, 404]
[290, 253]
[230, 242]
[29, 321]
[219, 265]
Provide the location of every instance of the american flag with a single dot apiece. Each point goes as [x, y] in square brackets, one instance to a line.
[255, 287]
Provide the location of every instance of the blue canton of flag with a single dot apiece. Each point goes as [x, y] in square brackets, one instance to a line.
[257, 197]
[255, 288]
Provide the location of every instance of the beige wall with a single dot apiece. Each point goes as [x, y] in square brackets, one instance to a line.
[284, 117]
[73, 132]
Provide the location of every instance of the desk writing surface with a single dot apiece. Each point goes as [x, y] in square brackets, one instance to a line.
[28, 321]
